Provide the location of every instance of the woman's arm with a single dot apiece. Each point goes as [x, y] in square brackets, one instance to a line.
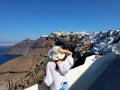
[64, 51]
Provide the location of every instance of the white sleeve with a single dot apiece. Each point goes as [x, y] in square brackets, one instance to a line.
[48, 78]
[65, 66]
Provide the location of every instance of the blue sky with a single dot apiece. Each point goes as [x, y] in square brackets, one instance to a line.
[21, 19]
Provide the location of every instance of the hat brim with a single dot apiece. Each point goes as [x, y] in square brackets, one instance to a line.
[55, 56]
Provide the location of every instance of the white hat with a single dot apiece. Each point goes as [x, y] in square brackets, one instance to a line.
[54, 54]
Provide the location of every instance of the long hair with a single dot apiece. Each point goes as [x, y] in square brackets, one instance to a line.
[57, 68]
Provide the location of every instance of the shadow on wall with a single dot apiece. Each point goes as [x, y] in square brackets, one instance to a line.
[93, 72]
[43, 87]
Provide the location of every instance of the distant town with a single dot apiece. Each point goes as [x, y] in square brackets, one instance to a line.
[7, 44]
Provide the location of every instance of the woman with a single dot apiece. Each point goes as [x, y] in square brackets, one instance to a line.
[56, 70]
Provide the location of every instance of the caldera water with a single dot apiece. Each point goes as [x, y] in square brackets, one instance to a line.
[4, 58]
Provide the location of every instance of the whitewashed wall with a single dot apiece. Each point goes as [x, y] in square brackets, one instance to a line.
[82, 77]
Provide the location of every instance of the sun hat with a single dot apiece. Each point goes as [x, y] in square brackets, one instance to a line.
[54, 54]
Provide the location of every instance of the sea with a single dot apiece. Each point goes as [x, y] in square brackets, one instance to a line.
[4, 58]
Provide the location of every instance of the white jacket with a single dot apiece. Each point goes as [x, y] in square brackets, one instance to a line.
[53, 78]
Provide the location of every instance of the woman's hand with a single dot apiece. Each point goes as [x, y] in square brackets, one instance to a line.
[59, 62]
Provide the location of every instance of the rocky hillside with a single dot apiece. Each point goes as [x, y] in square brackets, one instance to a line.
[29, 68]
